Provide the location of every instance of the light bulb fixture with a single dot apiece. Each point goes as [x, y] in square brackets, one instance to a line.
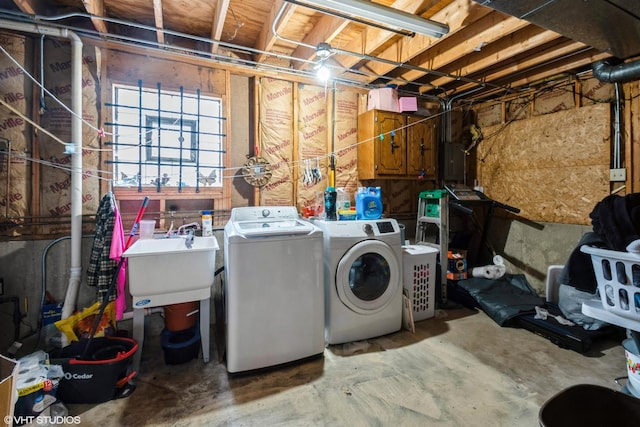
[386, 15]
[323, 51]
[322, 72]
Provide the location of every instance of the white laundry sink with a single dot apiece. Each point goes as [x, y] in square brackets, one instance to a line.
[166, 271]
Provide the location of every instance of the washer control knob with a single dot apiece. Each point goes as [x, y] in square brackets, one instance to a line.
[368, 229]
[266, 212]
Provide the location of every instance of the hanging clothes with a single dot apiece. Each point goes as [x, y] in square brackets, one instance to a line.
[117, 248]
[102, 267]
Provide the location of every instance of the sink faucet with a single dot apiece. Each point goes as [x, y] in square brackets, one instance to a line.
[190, 227]
[188, 241]
[170, 232]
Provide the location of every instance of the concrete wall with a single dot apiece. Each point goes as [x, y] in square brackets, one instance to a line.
[21, 266]
[530, 248]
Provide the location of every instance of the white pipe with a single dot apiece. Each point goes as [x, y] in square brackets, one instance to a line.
[147, 311]
[76, 176]
[75, 273]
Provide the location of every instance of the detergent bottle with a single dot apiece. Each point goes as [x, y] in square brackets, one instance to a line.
[330, 200]
[207, 224]
[368, 203]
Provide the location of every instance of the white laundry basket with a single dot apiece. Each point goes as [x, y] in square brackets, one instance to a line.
[618, 277]
[419, 279]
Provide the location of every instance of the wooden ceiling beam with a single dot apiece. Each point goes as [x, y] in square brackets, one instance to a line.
[159, 20]
[31, 7]
[553, 61]
[327, 29]
[220, 15]
[96, 8]
[543, 75]
[267, 39]
[457, 15]
[487, 30]
[531, 37]
[577, 61]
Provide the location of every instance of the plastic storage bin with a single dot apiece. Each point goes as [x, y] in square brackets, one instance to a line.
[419, 279]
[618, 277]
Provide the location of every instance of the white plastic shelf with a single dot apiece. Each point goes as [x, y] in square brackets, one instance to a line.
[594, 308]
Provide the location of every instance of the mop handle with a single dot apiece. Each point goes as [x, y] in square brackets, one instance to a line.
[112, 285]
[136, 223]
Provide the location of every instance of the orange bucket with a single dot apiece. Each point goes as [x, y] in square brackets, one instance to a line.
[182, 316]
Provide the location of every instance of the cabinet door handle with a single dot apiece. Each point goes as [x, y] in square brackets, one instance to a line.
[393, 142]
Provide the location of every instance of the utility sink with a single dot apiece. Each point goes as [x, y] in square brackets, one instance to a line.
[166, 271]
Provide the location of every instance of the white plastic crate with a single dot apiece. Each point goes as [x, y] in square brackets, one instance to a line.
[419, 279]
[618, 277]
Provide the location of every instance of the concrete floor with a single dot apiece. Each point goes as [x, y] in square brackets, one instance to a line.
[457, 369]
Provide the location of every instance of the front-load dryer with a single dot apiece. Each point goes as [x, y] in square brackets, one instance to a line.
[274, 288]
[363, 279]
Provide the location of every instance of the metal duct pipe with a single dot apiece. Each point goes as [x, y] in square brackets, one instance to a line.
[75, 274]
[607, 72]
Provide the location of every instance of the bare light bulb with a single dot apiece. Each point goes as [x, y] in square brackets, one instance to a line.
[323, 73]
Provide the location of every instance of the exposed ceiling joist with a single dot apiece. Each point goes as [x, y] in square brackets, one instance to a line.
[487, 52]
[31, 7]
[266, 39]
[159, 21]
[486, 56]
[96, 8]
[220, 14]
[457, 45]
[328, 28]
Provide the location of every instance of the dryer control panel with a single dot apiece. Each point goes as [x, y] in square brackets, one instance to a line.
[385, 227]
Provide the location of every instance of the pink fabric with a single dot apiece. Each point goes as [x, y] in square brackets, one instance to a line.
[115, 253]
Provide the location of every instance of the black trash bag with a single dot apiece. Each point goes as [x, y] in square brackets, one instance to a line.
[504, 298]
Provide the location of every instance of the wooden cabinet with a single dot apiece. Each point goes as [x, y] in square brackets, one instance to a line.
[395, 146]
[421, 147]
[382, 147]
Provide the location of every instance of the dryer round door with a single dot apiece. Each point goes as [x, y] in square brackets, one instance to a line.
[368, 276]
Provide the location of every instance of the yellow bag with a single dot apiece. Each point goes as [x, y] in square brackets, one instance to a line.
[80, 323]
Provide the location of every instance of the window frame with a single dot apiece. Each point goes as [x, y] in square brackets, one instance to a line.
[185, 202]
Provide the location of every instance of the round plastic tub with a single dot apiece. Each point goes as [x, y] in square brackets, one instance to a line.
[588, 405]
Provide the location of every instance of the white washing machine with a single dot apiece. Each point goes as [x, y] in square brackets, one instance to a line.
[274, 287]
[363, 279]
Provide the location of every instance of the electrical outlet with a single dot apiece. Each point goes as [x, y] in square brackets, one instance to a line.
[618, 174]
